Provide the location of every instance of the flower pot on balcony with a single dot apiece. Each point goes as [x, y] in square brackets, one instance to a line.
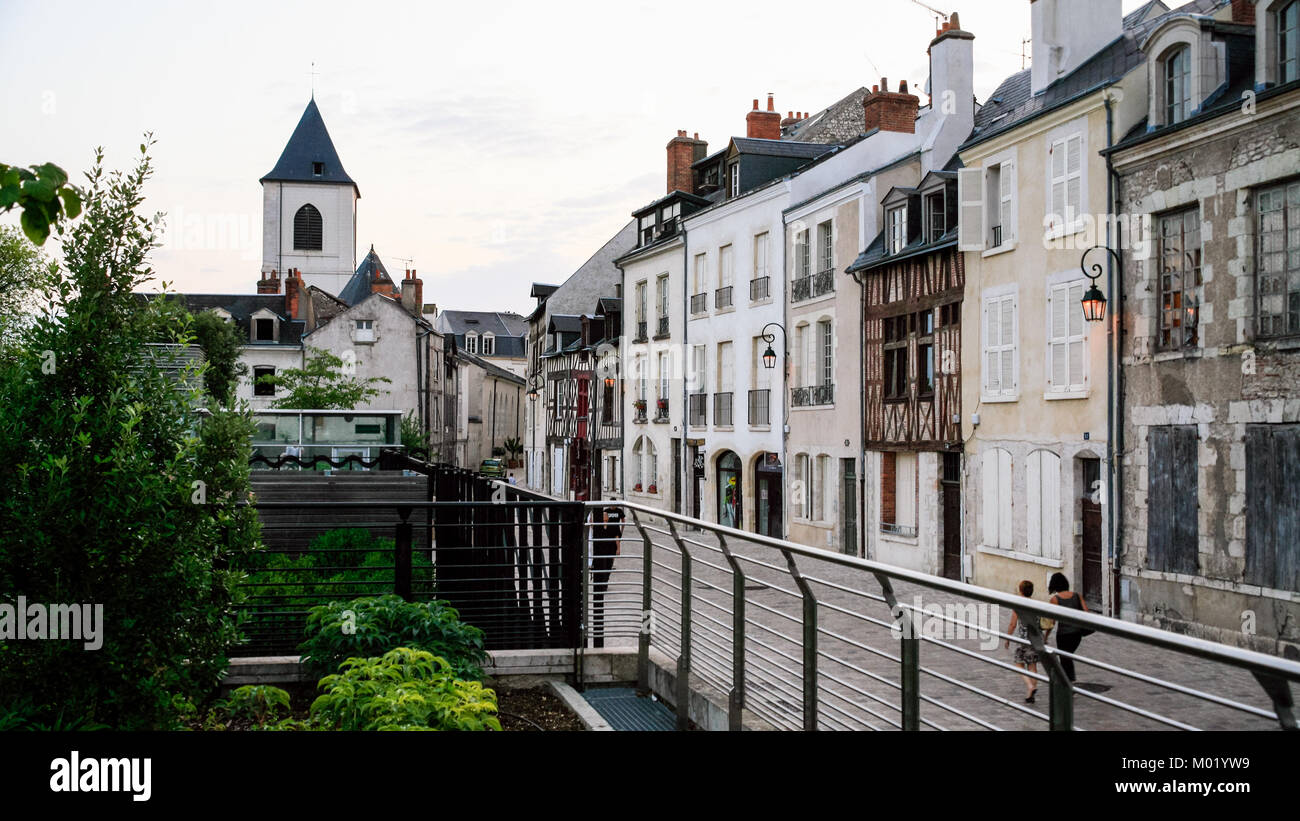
[654, 489]
[637, 487]
[663, 404]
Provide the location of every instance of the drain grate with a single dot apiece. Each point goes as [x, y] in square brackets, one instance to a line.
[626, 711]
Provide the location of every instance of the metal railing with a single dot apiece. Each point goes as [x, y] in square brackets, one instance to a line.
[996, 240]
[640, 332]
[663, 326]
[760, 288]
[759, 407]
[722, 297]
[722, 407]
[698, 410]
[661, 410]
[699, 303]
[812, 285]
[786, 636]
[813, 395]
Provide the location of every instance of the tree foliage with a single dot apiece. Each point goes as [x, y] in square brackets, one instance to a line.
[116, 491]
[26, 276]
[45, 196]
[221, 343]
[324, 382]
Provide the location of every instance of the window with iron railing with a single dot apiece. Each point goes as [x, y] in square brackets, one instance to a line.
[813, 395]
[640, 332]
[699, 303]
[813, 285]
[698, 409]
[663, 326]
[759, 405]
[661, 409]
[760, 288]
[722, 297]
[722, 409]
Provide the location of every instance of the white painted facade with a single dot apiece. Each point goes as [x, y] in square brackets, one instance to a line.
[329, 268]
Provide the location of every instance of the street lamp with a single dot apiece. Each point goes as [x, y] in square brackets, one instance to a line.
[1094, 301]
[769, 355]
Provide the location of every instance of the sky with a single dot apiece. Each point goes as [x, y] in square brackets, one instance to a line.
[495, 144]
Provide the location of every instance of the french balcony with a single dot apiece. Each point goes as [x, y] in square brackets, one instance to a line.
[663, 327]
[640, 332]
[760, 288]
[760, 407]
[811, 286]
[697, 410]
[722, 297]
[722, 416]
[661, 410]
[699, 303]
[813, 395]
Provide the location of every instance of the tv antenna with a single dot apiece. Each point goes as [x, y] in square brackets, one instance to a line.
[938, 14]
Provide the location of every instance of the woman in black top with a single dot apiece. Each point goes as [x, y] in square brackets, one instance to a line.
[1068, 635]
[606, 533]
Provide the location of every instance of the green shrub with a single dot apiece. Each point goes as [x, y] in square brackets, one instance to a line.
[404, 689]
[379, 624]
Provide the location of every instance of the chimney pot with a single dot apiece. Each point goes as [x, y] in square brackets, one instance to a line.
[902, 87]
[771, 105]
[875, 89]
[756, 104]
[884, 84]
[954, 22]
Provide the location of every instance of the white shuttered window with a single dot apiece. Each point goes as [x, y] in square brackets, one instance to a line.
[1065, 189]
[1067, 344]
[1043, 492]
[996, 513]
[1000, 355]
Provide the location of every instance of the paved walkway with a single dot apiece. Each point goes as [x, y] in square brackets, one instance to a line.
[858, 655]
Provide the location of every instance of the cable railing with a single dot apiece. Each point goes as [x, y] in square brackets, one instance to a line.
[788, 636]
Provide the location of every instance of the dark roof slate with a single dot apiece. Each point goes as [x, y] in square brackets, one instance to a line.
[359, 286]
[241, 308]
[781, 148]
[310, 143]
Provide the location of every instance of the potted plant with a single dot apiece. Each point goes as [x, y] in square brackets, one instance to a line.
[663, 404]
[515, 447]
[639, 404]
[637, 487]
[654, 488]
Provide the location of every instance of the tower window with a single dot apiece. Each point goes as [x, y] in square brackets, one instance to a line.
[265, 330]
[317, 169]
[307, 229]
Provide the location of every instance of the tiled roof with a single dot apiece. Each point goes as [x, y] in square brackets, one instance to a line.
[310, 143]
[359, 286]
[781, 148]
[241, 308]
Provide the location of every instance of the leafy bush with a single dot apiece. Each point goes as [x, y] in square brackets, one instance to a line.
[257, 703]
[372, 626]
[404, 689]
[115, 492]
[342, 563]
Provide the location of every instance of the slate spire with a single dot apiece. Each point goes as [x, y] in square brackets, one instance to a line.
[309, 156]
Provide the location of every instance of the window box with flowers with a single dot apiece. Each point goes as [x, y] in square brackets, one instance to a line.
[637, 487]
[653, 489]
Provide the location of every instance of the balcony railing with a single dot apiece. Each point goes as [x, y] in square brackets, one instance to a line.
[699, 303]
[812, 285]
[759, 407]
[722, 409]
[996, 240]
[638, 411]
[663, 326]
[814, 395]
[722, 297]
[661, 410]
[760, 288]
[640, 332]
[698, 409]
[838, 642]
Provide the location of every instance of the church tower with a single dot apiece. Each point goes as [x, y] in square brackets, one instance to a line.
[309, 209]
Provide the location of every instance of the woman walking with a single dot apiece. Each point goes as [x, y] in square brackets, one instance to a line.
[1069, 636]
[1026, 657]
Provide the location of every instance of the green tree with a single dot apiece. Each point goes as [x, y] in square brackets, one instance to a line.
[116, 490]
[25, 279]
[221, 343]
[325, 382]
[45, 196]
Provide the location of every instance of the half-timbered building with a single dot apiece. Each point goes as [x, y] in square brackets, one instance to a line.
[913, 279]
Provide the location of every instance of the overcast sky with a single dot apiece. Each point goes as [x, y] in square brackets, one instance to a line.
[495, 144]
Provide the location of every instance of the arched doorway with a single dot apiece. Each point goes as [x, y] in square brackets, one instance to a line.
[767, 495]
[729, 490]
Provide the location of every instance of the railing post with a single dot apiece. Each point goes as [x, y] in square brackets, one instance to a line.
[810, 700]
[684, 660]
[575, 568]
[647, 613]
[584, 611]
[736, 698]
[402, 555]
[1061, 693]
[909, 657]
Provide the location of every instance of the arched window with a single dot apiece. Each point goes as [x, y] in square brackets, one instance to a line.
[1288, 42]
[1178, 85]
[307, 229]
[647, 467]
[471, 342]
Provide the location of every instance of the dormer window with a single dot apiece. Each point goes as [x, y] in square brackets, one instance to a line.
[935, 216]
[489, 344]
[471, 342]
[317, 169]
[1288, 42]
[735, 179]
[264, 330]
[1178, 85]
[896, 229]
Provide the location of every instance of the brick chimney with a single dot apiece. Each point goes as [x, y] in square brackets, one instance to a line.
[763, 125]
[890, 111]
[1243, 11]
[379, 286]
[293, 288]
[412, 293]
[269, 283]
[683, 151]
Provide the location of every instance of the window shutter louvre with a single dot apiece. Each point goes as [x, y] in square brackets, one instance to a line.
[1004, 499]
[1006, 199]
[1050, 476]
[992, 501]
[970, 219]
[1034, 512]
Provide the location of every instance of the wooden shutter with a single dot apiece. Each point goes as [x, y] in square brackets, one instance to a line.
[905, 499]
[1034, 502]
[1006, 200]
[991, 502]
[888, 488]
[1172, 528]
[1273, 506]
[1004, 499]
[970, 218]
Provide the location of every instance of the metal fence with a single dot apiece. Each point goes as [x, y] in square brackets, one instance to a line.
[794, 637]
